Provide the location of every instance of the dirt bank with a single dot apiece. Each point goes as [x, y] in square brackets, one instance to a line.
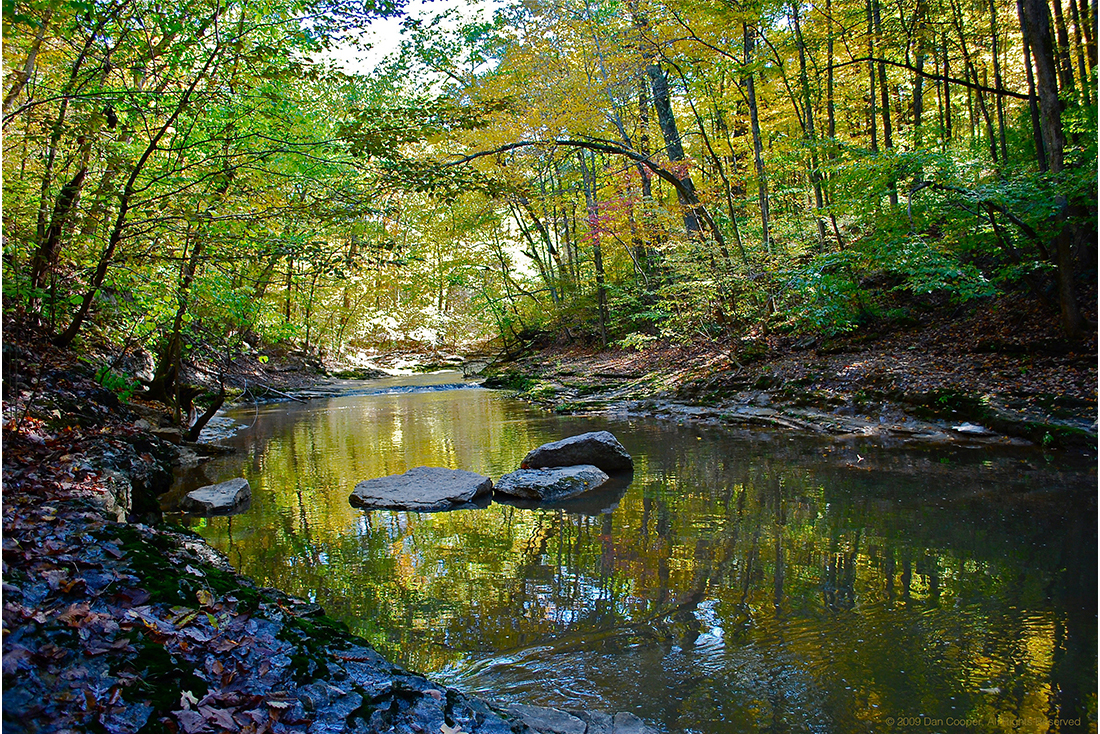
[1002, 373]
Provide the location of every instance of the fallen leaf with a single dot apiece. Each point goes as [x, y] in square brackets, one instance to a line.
[444, 729]
[221, 717]
[191, 722]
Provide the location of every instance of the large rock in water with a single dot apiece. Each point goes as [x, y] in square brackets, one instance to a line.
[552, 483]
[598, 448]
[227, 498]
[423, 489]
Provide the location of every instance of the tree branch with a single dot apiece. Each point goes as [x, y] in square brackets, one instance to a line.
[937, 77]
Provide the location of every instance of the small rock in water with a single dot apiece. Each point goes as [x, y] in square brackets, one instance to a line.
[226, 498]
[422, 489]
[551, 483]
[598, 448]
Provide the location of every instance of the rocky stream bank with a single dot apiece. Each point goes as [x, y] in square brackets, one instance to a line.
[1002, 375]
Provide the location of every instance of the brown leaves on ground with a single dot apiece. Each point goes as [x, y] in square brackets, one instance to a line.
[1010, 349]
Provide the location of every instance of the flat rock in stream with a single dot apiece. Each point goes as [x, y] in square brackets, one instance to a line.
[598, 448]
[226, 498]
[422, 489]
[551, 483]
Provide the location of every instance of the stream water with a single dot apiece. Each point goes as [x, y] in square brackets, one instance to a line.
[741, 582]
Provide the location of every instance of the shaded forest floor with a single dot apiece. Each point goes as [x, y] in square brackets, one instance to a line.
[1001, 366]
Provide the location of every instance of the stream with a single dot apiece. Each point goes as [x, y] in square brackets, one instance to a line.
[741, 582]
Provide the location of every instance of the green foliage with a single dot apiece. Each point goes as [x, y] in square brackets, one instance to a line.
[119, 384]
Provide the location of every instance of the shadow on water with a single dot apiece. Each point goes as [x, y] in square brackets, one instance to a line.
[738, 583]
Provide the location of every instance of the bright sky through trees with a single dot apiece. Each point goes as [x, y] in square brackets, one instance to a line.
[383, 36]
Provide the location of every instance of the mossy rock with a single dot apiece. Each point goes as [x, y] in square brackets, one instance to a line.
[510, 380]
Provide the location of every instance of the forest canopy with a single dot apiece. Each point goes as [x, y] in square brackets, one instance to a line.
[187, 177]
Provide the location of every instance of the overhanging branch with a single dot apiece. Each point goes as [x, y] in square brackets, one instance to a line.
[606, 146]
[937, 77]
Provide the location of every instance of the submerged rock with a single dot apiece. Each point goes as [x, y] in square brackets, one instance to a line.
[422, 489]
[547, 720]
[226, 498]
[552, 721]
[598, 448]
[551, 483]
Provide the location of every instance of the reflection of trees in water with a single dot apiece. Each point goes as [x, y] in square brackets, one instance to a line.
[818, 586]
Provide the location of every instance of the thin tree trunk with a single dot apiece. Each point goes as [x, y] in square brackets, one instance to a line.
[589, 182]
[918, 80]
[972, 73]
[1089, 29]
[1065, 64]
[22, 76]
[807, 101]
[1086, 82]
[757, 141]
[1033, 97]
[946, 89]
[871, 76]
[719, 169]
[662, 104]
[995, 33]
[830, 103]
[126, 201]
[887, 124]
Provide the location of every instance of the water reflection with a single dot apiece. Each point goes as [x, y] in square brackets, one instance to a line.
[740, 583]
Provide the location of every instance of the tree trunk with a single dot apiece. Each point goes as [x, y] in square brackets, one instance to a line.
[1089, 29]
[757, 141]
[1037, 30]
[720, 169]
[1033, 97]
[830, 103]
[589, 182]
[884, 89]
[1086, 82]
[45, 257]
[918, 77]
[1065, 63]
[807, 102]
[166, 377]
[22, 76]
[871, 76]
[946, 89]
[662, 104]
[994, 33]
